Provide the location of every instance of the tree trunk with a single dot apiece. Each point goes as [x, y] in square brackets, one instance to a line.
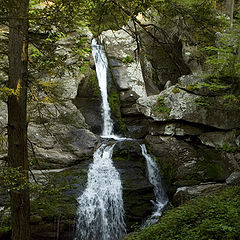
[17, 124]
[230, 10]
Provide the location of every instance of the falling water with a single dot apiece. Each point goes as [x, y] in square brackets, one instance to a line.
[101, 212]
[101, 63]
[155, 179]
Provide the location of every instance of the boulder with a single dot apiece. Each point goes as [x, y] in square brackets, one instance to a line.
[164, 52]
[183, 163]
[174, 129]
[219, 139]
[183, 194]
[234, 178]
[177, 104]
[60, 146]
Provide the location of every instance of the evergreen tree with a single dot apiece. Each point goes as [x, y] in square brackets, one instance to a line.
[17, 123]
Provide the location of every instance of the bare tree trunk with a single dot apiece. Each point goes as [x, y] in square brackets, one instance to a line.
[17, 124]
[230, 10]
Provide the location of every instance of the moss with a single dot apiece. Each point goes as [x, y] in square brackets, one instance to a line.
[176, 90]
[93, 84]
[210, 217]
[190, 88]
[120, 159]
[212, 167]
[169, 169]
[115, 105]
[228, 148]
[160, 106]
[128, 59]
[202, 102]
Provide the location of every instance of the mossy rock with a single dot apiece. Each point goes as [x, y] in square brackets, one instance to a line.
[211, 217]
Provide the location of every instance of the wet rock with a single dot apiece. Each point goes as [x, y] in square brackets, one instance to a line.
[183, 194]
[137, 190]
[136, 128]
[185, 164]
[219, 139]
[233, 179]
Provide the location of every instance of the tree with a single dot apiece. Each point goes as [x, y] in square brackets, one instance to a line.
[17, 123]
[230, 8]
[45, 25]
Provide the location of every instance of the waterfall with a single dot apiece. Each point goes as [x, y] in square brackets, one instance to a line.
[155, 179]
[101, 63]
[101, 212]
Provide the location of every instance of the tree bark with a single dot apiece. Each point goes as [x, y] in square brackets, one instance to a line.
[17, 124]
[230, 9]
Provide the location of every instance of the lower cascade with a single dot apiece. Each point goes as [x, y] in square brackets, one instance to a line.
[155, 179]
[101, 212]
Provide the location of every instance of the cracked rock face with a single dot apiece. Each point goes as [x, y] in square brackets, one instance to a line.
[128, 75]
[192, 108]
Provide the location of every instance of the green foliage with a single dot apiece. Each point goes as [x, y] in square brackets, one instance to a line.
[212, 217]
[49, 199]
[115, 105]
[161, 106]
[228, 148]
[196, 21]
[5, 224]
[128, 59]
[176, 90]
[15, 178]
[202, 102]
[212, 85]
[106, 14]
[224, 59]
[5, 92]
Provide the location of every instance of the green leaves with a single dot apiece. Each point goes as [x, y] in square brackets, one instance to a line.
[212, 217]
[223, 61]
[15, 178]
[5, 92]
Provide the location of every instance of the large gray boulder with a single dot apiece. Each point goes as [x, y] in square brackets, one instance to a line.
[177, 104]
[60, 146]
[183, 194]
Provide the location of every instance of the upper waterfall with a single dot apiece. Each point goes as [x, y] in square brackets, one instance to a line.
[101, 63]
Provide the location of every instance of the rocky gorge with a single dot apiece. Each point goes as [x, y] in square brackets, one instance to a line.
[156, 98]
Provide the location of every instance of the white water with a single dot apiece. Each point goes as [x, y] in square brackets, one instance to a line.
[101, 63]
[155, 179]
[101, 212]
